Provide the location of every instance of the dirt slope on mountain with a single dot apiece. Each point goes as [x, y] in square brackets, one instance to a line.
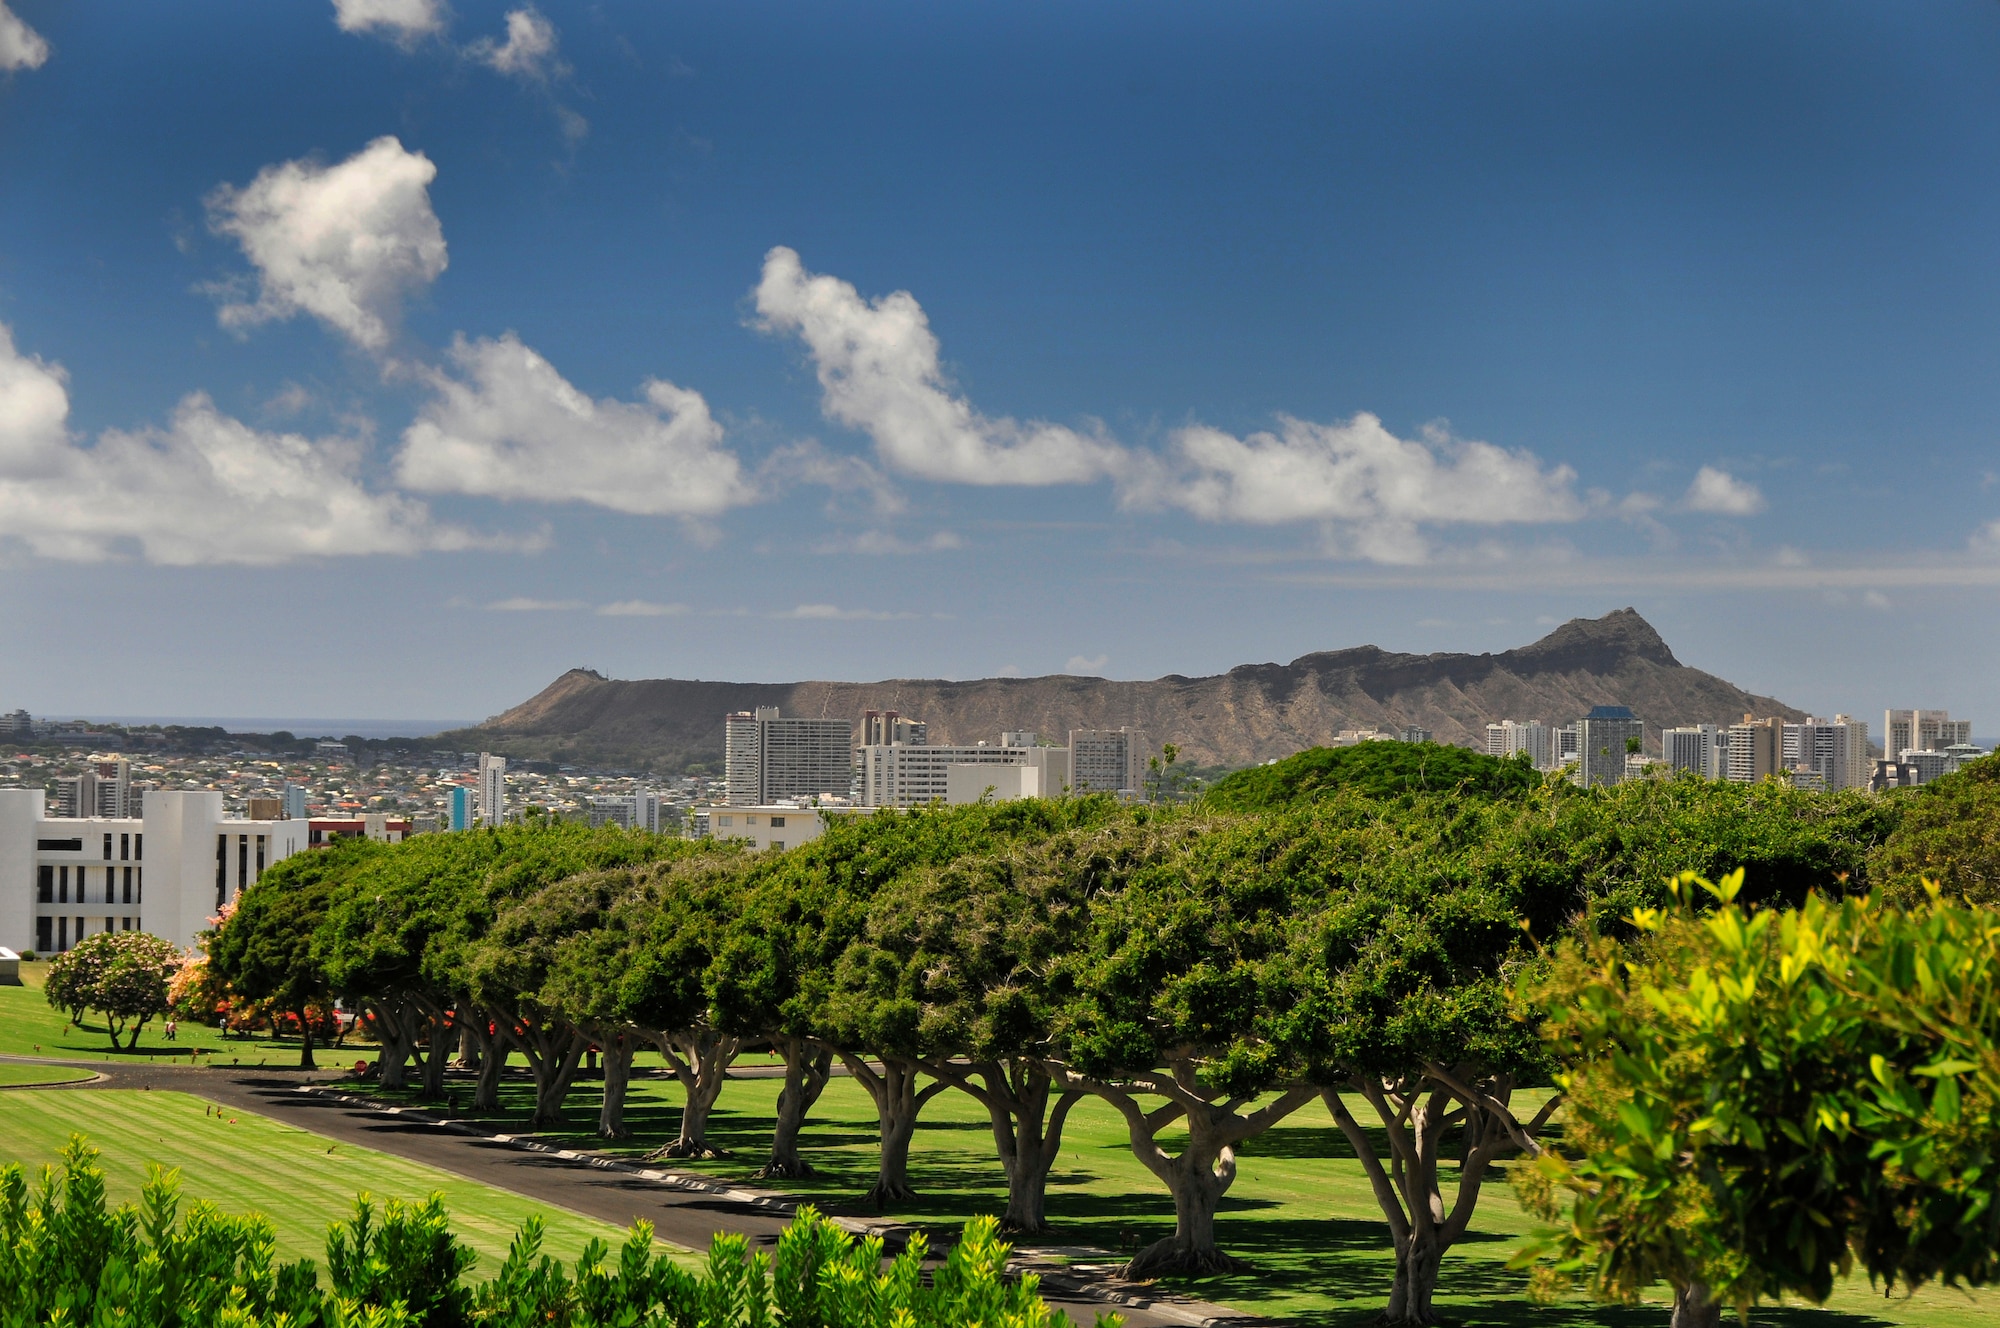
[1251, 713]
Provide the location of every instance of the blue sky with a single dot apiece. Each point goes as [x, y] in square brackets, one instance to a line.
[388, 357]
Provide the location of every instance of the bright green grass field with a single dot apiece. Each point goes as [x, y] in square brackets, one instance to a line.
[240, 1162]
[30, 1027]
[12, 1074]
[1300, 1211]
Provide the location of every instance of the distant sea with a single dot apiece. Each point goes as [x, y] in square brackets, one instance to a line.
[303, 728]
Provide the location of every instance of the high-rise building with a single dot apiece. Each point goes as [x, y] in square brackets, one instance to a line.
[914, 776]
[1411, 733]
[492, 789]
[1562, 747]
[888, 728]
[1827, 753]
[1531, 736]
[1601, 738]
[461, 807]
[294, 798]
[76, 795]
[1697, 748]
[768, 758]
[1107, 760]
[1921, 731]
[1756, 749]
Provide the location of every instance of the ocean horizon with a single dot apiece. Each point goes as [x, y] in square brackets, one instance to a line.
[303, 728]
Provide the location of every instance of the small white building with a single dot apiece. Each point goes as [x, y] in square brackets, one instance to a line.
[167, 872]
[774, 825]
[1035, 772]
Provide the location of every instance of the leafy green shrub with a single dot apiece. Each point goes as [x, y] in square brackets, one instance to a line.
[66, 1258]
[1759, 1100]
[1375, 769]
[1950, 834]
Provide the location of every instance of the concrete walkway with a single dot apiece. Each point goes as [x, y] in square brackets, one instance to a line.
[685, 1210]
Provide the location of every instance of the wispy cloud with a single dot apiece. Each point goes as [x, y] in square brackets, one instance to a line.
[834, 613]
[523, 604]
[883, 543]
[1087, 665]
[640, 608]
[21, 47]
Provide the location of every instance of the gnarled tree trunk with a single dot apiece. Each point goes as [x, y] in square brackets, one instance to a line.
[553, 1050]
[807, 1066]
[1416, 1113]
[394, 1028]
[437, 1050]
[1026, 1132]
[618, 1051]
[1202, 1172]
[897, 1102]
[700, 1059]
[1694, 1308]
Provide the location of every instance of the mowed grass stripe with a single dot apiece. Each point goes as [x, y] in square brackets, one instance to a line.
[240, 1161]
[12, 1074]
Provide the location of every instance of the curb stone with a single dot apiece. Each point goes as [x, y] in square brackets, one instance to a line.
[1099, 1284]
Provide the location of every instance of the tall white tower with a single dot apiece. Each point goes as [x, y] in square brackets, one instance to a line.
[492, 789]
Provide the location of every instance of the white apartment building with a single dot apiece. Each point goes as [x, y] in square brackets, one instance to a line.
[492, 789]
[1701, 749]
[638, 811]
[777, 826]
[1922, 731]
[1107, 760]
[1828, 753]
[914, 776]
[891, 728]
[1036, 772]
[1514, 735]
[167, 872]
[769, 758]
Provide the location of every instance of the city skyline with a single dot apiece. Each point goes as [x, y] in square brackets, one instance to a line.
[417, 355]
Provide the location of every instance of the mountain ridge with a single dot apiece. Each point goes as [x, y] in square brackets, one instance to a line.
[1251, 713]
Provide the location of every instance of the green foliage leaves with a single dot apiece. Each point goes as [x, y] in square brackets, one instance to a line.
[1949, 833]
[1374, 769]
[65, 1257]
[1759, 1100]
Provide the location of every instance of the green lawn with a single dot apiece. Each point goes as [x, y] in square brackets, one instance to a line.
[12, 1075]
[240, 1161]
[1300, 1210]
[30, 1027]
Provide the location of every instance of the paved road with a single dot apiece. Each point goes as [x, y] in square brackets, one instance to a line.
[683, 1218]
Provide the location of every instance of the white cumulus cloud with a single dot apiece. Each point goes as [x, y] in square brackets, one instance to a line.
[205, 488]
[21, 47]
[399, 20]
[1720, 492]
[1089, 666]
[507, 425]
[529, 51]
[344, 243]
[879, 372]
[1372, 490]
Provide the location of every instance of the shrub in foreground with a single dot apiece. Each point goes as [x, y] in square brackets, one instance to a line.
[67, 1258]
[1760, 1102]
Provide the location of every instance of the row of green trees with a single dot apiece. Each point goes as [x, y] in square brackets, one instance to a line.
[68, 1257]
[1211, 971]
